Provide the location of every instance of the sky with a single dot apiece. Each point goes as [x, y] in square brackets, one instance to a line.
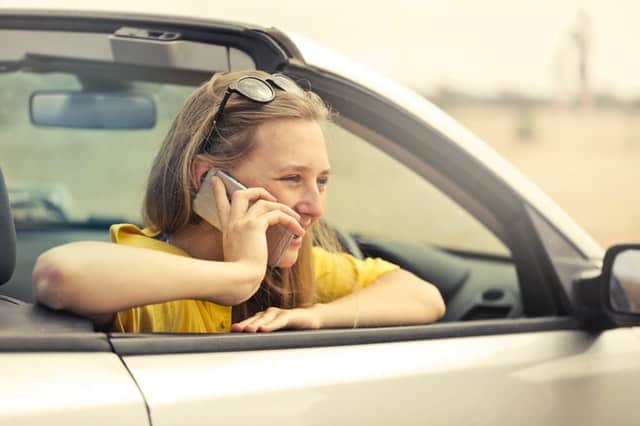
[476, 46]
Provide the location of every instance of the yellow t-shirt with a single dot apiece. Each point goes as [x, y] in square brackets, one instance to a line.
[336, 274]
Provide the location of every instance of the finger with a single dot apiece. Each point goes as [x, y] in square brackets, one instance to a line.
[262, 206]
[252, 326]
[268, 316]
[241, 326]
[251, 319]
[243, 198]
[302, 319]
[276, 217]
[279, 322]
[222, 202]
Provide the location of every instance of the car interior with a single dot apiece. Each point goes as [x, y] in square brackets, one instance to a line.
[84, 113]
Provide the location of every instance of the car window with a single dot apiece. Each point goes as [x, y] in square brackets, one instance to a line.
[373, 194]
[77, 174]
[97, 177]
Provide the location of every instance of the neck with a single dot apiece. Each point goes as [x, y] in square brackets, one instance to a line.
[201, 241]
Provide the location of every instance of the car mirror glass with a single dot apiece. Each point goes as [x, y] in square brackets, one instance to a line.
[624, 285]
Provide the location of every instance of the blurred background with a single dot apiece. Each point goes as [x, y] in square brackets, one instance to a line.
[552, 85]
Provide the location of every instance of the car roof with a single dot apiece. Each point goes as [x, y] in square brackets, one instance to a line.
[304, 51]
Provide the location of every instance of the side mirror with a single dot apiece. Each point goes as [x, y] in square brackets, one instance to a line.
[621, 272]
[613, 295]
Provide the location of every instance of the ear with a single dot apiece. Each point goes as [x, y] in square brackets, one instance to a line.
[199, 167]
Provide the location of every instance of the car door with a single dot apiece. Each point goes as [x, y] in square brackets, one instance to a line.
[52, 375]
[498, 375]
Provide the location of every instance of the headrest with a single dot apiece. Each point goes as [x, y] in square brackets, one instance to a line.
[7, 235]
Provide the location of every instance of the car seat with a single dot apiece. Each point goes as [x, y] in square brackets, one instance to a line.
[16, 315]
[7, 235]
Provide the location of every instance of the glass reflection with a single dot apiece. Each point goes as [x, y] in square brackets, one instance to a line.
[625, 282]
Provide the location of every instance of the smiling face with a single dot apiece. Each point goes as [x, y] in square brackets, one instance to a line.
[289, 159]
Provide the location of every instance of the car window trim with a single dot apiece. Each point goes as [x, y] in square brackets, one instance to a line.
[127, 344]
[266, 52]
[54, 342]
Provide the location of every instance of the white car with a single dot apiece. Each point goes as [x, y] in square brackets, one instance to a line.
[539, 325]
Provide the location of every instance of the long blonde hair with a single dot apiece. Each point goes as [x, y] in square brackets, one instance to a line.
[168, 200]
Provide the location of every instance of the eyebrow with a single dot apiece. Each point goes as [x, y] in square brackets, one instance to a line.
[301, 168]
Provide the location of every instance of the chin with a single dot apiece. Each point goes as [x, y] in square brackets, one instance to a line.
[289, 258]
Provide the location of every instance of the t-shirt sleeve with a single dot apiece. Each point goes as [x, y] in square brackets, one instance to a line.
[130, 320]
[177, 316]
[146, 319]
[340, 274]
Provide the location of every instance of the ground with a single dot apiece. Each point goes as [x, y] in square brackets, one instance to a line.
[587, 161]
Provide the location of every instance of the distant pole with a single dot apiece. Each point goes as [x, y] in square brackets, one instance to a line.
[581, 36]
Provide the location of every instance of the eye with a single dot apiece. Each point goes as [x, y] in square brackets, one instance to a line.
[322, 182]
[292, 178]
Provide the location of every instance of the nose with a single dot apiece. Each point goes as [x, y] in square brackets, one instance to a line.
[310, 205]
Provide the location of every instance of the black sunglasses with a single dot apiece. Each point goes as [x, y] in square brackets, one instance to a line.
[255, 89]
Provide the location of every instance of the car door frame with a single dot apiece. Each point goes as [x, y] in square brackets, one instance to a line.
[476, 188]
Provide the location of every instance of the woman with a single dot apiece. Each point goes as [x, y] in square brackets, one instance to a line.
[180, 274]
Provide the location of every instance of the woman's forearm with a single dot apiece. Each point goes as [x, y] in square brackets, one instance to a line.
[92, 278]
[396, 298]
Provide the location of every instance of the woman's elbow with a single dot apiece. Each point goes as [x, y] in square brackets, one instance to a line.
[435, 306]
[52, 279]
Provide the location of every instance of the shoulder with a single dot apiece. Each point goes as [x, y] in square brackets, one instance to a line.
[130, 235]
[325, 261]
[339, 273]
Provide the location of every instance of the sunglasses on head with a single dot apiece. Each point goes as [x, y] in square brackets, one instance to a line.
[258, 90]
[255, 89]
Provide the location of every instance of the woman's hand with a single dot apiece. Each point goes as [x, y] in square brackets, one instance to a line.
[245, 220]
[275, 319]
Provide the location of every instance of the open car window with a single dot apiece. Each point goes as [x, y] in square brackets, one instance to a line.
[92, 177]
[394, 213]
[373, 194]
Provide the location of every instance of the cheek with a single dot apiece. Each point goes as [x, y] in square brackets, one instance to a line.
[284, 196]
[274, 188]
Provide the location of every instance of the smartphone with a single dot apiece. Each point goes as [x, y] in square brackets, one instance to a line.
[278, 237]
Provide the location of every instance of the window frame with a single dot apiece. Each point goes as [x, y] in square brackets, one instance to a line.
[456, 173]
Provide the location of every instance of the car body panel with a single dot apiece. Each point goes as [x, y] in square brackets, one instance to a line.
[552, 378]
[68, 388]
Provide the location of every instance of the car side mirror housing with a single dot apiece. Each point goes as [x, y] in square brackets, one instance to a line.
[613, 295]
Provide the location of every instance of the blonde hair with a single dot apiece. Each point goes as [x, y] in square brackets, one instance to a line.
[168, 200]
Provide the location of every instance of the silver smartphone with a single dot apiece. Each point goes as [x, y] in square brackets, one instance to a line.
[278, 237]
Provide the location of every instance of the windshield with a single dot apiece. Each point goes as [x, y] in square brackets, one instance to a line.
[60, 175]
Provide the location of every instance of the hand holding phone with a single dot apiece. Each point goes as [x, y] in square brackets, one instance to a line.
[204, 204]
